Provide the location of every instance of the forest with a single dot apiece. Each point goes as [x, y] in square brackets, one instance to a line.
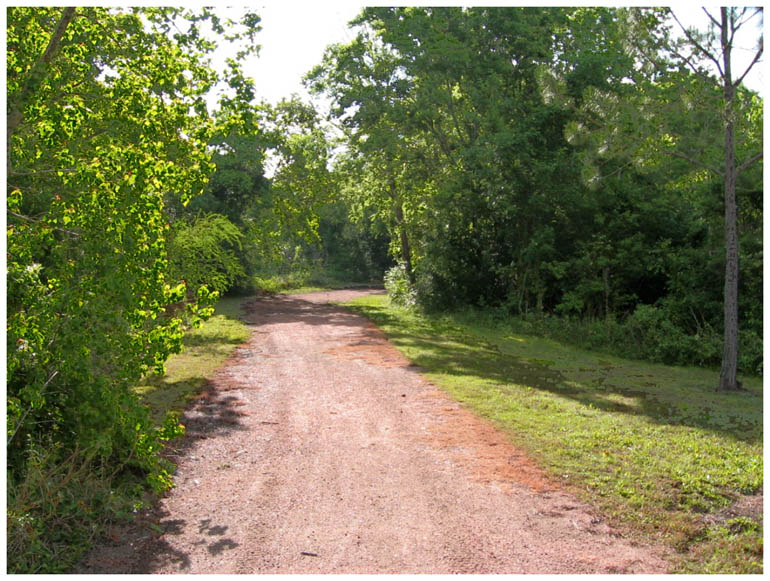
[593, 173]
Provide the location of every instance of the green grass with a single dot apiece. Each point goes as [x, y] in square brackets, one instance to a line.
[305, 281]
[205, 349]
[654, 447]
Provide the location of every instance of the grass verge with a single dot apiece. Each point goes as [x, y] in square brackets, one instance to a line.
[653, 447]
[205, 349]
[305, 281]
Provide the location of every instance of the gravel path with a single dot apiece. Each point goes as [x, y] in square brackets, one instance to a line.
[318, 449]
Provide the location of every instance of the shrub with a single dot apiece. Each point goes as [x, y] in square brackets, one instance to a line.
[203, 251]
[399, 289]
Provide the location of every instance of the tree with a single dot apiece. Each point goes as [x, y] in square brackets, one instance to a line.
[364, 77]
[679, 100]
[106, 116]
[438, 107]
[478, 175]
[731, 19]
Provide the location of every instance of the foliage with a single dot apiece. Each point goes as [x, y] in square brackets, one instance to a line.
[654, 447]
[399, 289]
[302, 181]
[107, 116]
[56, 510]
[538, 160]
[204, 350]
[60, 506]
[678, 108]
[352, 249]
[298, 219]
[203, 252]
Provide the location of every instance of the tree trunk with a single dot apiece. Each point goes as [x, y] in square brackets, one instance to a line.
[728, 379]
[406, 251]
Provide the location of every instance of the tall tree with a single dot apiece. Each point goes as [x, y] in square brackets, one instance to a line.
[703, 53]
[439, 105]
[681, 100]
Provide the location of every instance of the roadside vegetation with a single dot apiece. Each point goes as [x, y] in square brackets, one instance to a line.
[205, 350]
[55, 513]
[583, 173]
[654, 447]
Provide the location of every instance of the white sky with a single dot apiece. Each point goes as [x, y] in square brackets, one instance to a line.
[293, 38]
[295, 33]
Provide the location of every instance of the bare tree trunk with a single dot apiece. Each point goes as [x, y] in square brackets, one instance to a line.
[728, 379]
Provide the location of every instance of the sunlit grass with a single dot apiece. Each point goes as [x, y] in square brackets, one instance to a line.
[306, 281]
[205, 350]
[654, 447]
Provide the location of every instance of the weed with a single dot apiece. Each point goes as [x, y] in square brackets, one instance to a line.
[59, 506]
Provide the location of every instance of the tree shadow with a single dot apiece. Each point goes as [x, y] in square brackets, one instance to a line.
[282, 309]
[615, 387]
[159, 553]
[212, 414]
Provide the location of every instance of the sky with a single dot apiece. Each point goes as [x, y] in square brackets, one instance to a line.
[295, 33]
[293, 38]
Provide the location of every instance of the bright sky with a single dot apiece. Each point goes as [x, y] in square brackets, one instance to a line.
[744, 47]
[295, 33]
[293, 38]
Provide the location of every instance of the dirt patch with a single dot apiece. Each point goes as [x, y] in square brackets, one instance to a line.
[485, 452]
[746, 506]
[317, 448]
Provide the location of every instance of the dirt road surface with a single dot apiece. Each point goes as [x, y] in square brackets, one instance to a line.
[318, 449]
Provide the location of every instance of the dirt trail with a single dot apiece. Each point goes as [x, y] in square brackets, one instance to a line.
[318, 449]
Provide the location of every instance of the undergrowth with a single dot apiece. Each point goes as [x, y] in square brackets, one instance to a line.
[64, 501]
[304, 281]
[654, 447]
[205, 349]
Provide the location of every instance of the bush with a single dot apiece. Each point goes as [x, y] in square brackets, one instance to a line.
[657, 338]
[400, 290]
[203, 251]
[649, 333]
[750, 353]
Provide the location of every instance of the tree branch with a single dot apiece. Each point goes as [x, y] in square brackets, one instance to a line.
[714, 20]
[736, 25]
[753, 62]
[694, 69]
[29, 409]
[32, 83]
[33, 221]
[748, 162]
[35, 75]
[695, 161]
[698, 45]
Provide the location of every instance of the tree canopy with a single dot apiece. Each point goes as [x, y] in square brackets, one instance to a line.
[552, 160]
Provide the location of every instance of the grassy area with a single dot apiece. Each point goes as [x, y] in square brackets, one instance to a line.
[653, 447]
[305, 281]
[205, 349]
